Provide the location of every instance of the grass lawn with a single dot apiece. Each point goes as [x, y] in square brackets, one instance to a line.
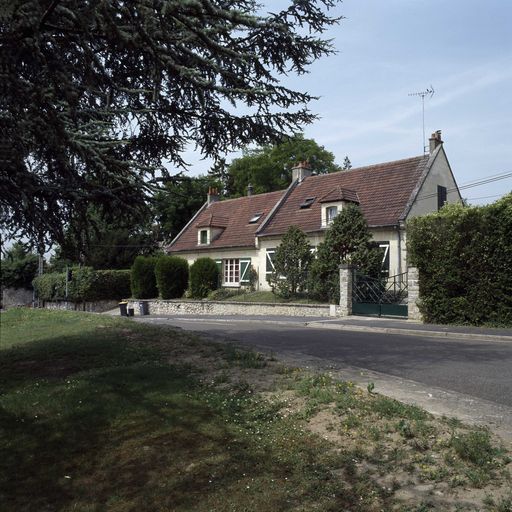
[104, 414]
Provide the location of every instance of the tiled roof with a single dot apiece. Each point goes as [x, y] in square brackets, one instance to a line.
[383, 191]
[340, 194]
[235, 215]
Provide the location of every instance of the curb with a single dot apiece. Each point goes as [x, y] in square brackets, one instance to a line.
[411, 332]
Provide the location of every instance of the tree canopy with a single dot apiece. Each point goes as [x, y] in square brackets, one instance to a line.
[269, 168]
[99, 99]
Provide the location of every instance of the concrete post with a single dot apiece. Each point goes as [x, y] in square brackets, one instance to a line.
[413, 294]
[345, 290]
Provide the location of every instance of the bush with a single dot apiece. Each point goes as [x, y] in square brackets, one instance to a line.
[464, 258]
[204, 277]
[86, 284]
[347, 240]
[18, 268]
[143, 280]
[171, 276]
[291, 264]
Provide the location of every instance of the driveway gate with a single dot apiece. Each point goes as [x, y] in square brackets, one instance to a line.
[379, 297]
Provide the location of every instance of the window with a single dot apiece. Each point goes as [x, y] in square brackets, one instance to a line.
[255, 218]
[330, 213]
[269, 266]
[441, 196]
[232, 272]
[203, 237]
[307, 202]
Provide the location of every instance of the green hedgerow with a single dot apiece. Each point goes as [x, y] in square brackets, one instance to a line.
[171, 276]
[143, 281]
[204, 277]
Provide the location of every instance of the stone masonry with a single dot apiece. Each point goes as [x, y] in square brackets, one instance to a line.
[345, 290]
[413, 294]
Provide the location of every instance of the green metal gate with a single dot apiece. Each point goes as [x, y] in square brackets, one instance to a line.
[379, 297]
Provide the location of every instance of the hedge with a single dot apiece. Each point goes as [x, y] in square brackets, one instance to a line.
[86, 284]
[464, 258]
[171, 276]
[143, 278]
[204, 277]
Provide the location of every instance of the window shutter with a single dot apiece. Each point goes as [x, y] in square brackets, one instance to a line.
[441, 196]
[245, 271]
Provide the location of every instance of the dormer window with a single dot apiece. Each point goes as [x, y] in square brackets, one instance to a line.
[330, 214]
[307, 202]
[256, 217]
[203, 237]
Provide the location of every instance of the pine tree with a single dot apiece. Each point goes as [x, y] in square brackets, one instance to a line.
[291, 263]
[98, 99]
[347, 164]
[347, 240]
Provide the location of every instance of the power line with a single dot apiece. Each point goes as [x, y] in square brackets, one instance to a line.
[472, 184]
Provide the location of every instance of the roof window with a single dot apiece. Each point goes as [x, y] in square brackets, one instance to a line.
[256, 217]
[307, 202]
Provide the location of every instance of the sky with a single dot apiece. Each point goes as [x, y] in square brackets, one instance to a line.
[387, 49]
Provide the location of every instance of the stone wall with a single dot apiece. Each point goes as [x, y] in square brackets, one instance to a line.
[198, 307]
[413, 294]
[99, 306]
[346, 274]
[16, 297]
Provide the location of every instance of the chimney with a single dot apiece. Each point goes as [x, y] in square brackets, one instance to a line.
[249, 190]
[213, 195]
[300, 171]
[435, 141]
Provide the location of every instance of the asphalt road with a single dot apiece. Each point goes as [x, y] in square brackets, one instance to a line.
[480, 369]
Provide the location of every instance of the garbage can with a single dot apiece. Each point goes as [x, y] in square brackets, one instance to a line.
[131, 311]
[143, 308]
[123, 308]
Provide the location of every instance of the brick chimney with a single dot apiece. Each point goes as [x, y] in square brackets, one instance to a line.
[300, 171]
[213, 195]
[435, 141]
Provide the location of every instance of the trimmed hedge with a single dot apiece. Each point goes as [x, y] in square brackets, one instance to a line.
[171, 276]
[204, 277]
[464, 257]
[86, 284]
[143, 278]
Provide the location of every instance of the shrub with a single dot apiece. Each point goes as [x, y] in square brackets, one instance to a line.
[291, 263]
[86, 284]
[171, 276]
[464, 258]
[18, 268]
[143, 281]
[204, 277]
[347, 240]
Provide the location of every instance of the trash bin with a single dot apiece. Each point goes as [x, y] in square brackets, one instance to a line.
[143, 308]
[123, 308]
[131, 311]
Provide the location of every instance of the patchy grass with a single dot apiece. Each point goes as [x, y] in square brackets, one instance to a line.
[101, 413]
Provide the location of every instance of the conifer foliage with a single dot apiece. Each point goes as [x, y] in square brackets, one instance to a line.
[98, 98]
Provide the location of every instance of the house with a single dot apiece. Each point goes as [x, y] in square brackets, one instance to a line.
[244, 232]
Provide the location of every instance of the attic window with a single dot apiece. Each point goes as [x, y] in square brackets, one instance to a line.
[307, 202]
[256, 217]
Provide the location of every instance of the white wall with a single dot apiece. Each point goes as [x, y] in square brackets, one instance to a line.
[440, 174]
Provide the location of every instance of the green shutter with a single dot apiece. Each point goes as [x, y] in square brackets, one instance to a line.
[245, 271]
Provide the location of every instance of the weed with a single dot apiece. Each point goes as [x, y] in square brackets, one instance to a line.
[244, 358]
[475, 447]
[389, 408]
[370, 387]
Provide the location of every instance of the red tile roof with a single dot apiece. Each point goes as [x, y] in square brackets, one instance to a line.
[383, 192]
[236, 214]
[340, 194]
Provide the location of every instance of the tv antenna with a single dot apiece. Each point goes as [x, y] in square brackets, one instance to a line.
[427, 92]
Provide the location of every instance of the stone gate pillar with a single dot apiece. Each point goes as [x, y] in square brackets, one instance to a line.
[413, 294]
[345, 290]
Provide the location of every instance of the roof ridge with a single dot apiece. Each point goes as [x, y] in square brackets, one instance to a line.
[249, 197]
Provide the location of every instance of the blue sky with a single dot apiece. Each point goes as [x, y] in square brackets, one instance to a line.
[390, 48]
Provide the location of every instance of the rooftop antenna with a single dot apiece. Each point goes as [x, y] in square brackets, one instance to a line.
[427, 92]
